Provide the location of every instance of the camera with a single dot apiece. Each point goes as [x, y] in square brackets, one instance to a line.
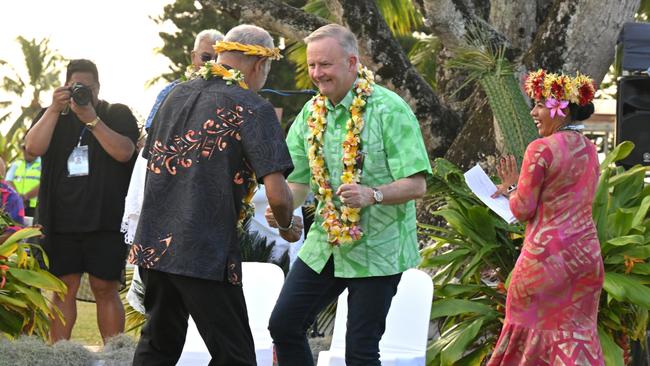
[81, 94]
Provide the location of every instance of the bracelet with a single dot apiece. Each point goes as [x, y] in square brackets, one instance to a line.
[289, 227]
[512, 188]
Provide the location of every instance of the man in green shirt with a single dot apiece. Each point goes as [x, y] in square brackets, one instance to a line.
[359, 148]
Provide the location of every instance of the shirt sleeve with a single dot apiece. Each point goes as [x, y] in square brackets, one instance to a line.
[524, 201]
[296, 143]
[11, 174]
[122, 121]
[403, 141]
[263, 143]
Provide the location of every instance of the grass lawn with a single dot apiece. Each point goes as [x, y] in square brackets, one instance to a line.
[85, 330]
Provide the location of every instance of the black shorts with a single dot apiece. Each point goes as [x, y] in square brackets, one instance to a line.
[101, 254]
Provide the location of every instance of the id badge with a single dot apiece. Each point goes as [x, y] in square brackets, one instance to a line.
[78, 162]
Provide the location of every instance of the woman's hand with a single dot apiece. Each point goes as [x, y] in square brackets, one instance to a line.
[508, 173]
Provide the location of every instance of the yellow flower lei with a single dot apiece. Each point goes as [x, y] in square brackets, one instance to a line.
[213, 69]
[248, 49]
[342, 226]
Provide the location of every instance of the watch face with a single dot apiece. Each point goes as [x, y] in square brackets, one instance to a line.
[378, 195]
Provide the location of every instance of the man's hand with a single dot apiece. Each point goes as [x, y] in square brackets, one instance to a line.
[356, 195]
[60, 99]
[86, 113]
[270, 219]
[291, 235]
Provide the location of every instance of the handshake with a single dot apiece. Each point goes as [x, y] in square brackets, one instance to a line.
[291, 233]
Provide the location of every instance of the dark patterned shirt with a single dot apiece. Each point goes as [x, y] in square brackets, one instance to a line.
[206, 143]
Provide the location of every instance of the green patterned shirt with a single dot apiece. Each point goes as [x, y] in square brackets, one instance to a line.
[393, 149]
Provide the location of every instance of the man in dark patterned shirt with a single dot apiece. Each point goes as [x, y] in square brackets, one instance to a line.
[211, 141]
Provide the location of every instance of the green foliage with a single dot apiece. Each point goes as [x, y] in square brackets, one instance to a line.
[471, 258]
[475, 251]
[43, 66]
[190, 18]
[401, 16]
[423, 57]
[23, 307]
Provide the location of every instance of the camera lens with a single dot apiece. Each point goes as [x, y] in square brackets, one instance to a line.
[81, 94]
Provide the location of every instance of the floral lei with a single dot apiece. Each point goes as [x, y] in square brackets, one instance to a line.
[210, 70]
[341, 225]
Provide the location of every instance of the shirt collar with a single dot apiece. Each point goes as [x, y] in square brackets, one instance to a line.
[345, 102]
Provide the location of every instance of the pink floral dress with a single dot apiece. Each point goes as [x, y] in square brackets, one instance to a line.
[552, 303]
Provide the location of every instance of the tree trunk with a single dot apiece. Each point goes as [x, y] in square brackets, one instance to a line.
[580, 35]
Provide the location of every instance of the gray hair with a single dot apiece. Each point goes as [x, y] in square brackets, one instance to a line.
[249, 34]
[346, 39]
[212, 35]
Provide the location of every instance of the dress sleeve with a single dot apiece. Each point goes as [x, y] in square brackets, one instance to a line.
[525, 199]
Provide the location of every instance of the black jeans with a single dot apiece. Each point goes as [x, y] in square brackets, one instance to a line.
[305, 293]
[218, 309]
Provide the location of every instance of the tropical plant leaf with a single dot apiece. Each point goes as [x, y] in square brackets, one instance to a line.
[455, 349]
[619, 153]
[39, 279]
[612, 352]
[627, 289]
[452, 307]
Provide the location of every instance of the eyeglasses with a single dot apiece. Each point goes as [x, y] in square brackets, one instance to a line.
[205, 57]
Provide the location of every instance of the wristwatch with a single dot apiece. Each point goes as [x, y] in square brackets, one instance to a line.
[377, 195]
[91, 125]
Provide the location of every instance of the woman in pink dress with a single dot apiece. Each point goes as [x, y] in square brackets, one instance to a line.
[552, 302]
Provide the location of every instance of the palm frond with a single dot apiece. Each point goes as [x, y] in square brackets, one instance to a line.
[422, 56]
[297, 54]
[401, 16]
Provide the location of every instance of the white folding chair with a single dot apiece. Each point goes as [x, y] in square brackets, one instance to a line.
[262, 284]
[404, 342]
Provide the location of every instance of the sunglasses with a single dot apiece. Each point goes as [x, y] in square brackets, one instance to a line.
[205, 57]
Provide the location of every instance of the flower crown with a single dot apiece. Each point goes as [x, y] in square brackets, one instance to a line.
[542, 85]
[248, 49]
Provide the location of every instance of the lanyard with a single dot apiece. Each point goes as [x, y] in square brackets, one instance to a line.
[81, 135]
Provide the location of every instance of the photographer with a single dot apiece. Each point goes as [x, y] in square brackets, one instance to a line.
[88, 150]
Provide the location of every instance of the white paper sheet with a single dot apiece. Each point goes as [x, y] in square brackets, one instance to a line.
[483, 188]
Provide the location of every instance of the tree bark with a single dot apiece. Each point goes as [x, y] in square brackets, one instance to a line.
[272, 15]
[580, 35]
[453, 20]
[514, 19]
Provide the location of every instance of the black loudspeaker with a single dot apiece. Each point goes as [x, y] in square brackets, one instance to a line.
[633, 117]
